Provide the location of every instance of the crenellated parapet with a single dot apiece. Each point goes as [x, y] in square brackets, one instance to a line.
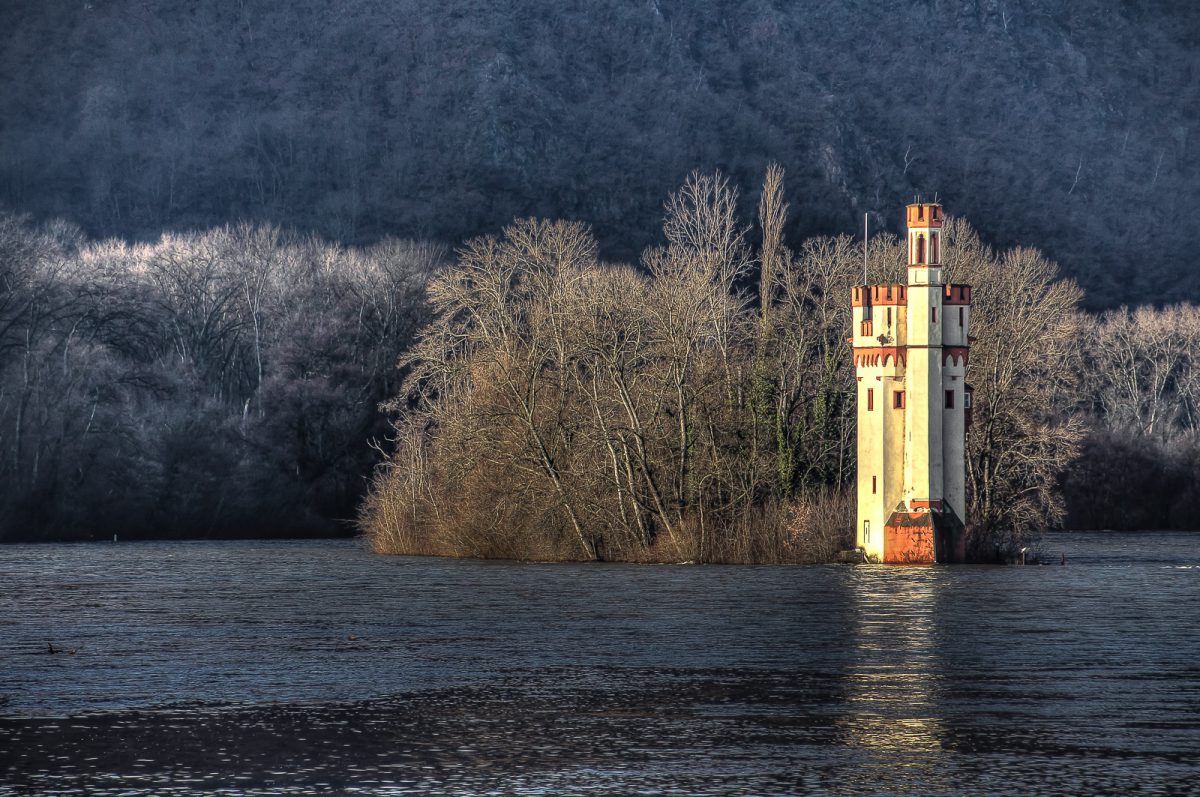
[881, 295]
[956, 294]
[924, 215]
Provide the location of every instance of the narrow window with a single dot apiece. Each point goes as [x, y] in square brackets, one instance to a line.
[867, 312]
[872, 485]
[933, 247]
[935, 315]
[949, 399]
[920, 248]
[870, 399]
[898, 400]
[889, 316]
[866, 531]
[920, 211]
[960, 316]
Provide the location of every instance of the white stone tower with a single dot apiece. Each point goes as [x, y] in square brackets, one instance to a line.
[910, 357]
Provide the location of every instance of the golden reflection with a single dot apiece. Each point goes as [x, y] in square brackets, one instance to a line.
[892, 710]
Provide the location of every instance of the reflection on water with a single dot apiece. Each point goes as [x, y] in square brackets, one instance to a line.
[892, 702]
[313, 667]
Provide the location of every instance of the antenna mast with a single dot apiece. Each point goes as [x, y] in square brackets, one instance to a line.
[866, 216]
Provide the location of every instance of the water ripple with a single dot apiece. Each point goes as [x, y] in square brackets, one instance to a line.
[278, 668]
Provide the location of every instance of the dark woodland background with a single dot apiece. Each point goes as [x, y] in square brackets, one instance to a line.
[220, 216]
[1069, 125]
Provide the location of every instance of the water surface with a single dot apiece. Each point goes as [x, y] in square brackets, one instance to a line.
[268, 668]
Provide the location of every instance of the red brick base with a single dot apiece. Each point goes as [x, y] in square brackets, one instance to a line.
[908, 539]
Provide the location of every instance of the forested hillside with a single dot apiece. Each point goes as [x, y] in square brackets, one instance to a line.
[1065, 124]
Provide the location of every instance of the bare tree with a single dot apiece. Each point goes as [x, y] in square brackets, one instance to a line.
[1140, 368]
[1024, 367]
[558, 407]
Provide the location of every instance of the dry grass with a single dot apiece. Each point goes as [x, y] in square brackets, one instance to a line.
[806, 531]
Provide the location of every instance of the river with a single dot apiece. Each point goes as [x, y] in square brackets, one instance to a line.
[276, 668]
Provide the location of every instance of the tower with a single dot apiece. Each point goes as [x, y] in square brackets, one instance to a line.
[911, 346]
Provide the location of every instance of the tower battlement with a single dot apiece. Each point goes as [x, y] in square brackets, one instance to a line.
[871, 295]
[924, 214]
[911, 349]
[957, 294]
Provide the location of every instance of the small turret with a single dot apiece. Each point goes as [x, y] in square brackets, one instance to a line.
[924, 235]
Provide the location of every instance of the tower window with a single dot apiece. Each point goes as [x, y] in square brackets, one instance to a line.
[889, 316]
[866, 531]
[960, 316]
[935, 315]
[870, 399]
[949, 399]
[920, 249]
[920, 211]
[933, 247]
[873, 485]
[898, 400]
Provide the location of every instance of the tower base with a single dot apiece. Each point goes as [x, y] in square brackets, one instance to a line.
[924, 538]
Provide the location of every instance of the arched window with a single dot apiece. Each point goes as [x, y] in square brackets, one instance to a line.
[920, 249]
[933, 248]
